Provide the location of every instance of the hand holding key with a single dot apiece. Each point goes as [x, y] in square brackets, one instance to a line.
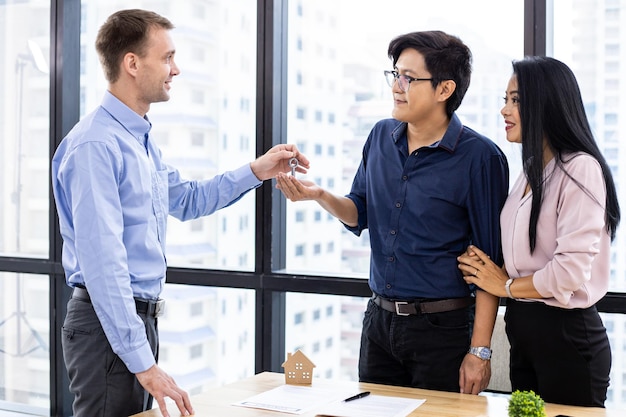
[278, 160]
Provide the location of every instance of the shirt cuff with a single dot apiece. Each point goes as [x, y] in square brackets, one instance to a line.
[361, 219]
[246, 177]
[542, 285]
[139, 360]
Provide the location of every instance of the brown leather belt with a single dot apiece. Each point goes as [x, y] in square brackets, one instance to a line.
[150, 308]
[407, 308]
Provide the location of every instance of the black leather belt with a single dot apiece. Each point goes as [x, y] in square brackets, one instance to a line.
[407, 308]
[150, 308]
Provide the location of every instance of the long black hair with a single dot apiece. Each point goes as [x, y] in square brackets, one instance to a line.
[551, 109]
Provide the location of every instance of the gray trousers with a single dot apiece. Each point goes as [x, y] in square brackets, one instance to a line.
[101, 383]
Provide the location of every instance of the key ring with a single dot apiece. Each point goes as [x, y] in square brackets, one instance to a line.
[293, 163]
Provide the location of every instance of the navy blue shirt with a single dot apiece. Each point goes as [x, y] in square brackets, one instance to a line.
[423, 210]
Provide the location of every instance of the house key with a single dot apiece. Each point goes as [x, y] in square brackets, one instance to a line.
[293, 163]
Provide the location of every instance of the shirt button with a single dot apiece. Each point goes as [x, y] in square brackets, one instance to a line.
[388, 286]
[404, 177]
[391, 259]
[398, 205]
[393, 232]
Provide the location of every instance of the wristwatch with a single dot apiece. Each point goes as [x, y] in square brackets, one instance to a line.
[482, 352]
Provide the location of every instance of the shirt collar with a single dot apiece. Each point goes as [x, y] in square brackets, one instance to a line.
[136, 125]
[449, 140]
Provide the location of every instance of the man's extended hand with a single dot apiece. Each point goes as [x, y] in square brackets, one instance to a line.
[161, 385]
[297, 190]
[276, 160]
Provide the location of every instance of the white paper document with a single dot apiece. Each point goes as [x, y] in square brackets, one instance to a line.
[293, 399]
[371, 406]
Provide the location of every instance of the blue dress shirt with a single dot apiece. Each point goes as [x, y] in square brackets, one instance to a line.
[113, 193]
[422, 210]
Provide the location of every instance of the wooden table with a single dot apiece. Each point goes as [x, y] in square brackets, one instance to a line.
[217, 402]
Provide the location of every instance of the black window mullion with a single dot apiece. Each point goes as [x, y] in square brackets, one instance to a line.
[535, 27]
[64, 113]
[270, 207]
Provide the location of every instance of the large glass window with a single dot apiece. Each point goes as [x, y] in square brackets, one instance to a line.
[336, 92]
[208, 125]
[335, 52]
[207, 336]
[24, 344]
[24, 128]
[327, 329]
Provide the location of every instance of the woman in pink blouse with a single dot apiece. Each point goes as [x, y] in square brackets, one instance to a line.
[557, 226]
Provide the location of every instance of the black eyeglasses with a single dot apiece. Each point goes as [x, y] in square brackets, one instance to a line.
[404, 81]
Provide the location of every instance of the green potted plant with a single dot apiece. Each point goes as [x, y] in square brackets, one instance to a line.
[526, 404]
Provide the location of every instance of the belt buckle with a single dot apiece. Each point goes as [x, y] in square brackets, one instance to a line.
[398, 304]
[159, 308]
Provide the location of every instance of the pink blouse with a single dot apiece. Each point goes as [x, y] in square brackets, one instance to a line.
[571, 261]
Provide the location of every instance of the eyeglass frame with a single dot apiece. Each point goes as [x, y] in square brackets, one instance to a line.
[396, 77]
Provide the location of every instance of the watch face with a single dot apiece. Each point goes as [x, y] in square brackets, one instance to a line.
[482, 352]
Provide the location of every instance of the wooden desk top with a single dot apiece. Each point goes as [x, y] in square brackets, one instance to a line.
[218, 402]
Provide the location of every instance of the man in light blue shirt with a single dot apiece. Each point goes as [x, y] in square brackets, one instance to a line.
[113, 193]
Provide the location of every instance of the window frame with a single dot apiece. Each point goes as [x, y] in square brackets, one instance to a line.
[270, 287]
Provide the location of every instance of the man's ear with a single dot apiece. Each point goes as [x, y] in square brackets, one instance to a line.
[130, 64]
[445, 89]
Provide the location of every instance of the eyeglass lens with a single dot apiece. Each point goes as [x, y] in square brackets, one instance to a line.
[392, 76]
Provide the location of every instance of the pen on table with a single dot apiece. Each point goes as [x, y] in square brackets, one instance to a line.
[356, 397]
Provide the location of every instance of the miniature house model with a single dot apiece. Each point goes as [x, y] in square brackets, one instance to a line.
[298, 369]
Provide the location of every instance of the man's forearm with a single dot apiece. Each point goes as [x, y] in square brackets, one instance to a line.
[485, 319]
[341, 207]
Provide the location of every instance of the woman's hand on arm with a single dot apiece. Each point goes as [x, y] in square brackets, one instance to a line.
[488, 276]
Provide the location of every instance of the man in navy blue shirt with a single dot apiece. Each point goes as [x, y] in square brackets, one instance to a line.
[427, 186]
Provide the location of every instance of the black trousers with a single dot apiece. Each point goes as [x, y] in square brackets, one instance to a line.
[421, 351]
[100, 381]
[561, 354]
